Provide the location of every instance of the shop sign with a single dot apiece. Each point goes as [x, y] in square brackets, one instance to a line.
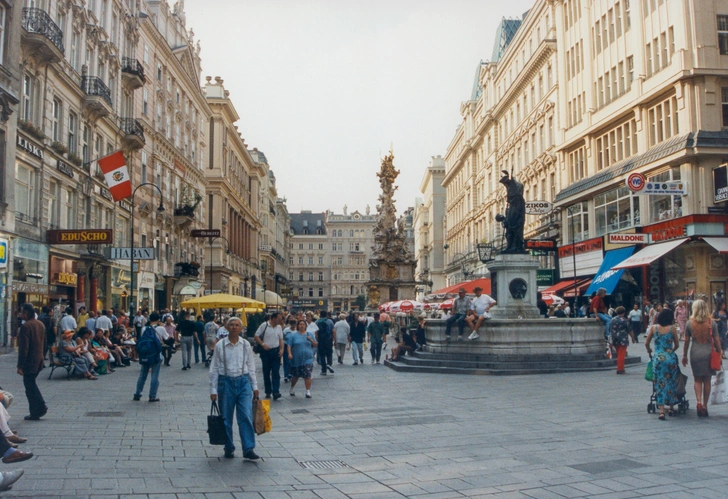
[120, 277]
[636, 182]
[545, 277]
[3, 253]
[126, 253]
[627, 238]
[65, 168]
[30, 287]
[64, 279]
[581, 247]
[587, 255]
[28, 146]
[311, 303]
[538, 207]
[664, 189]
[125, 205]
[205, 233]
[541, 244]
[106, 194]
[82, 236]
[668, 233]
[720, 184]
[146, 280]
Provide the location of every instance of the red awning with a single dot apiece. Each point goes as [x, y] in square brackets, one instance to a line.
[580, 288]
[468, 286]
[563, 285]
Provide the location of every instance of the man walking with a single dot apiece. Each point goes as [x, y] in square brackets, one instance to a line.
[31, 351]
[341, 333]
[149, 349]
[358, 331]
[460, 307]
[270, 336]
[376, 338]
[481, 305]
[232, 377]
[139, 322]
[199, 339]
[185, 335]
[325, 340]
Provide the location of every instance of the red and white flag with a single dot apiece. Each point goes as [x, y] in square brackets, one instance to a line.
[117, 177]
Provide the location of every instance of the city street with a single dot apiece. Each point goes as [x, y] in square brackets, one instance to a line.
[370, 432]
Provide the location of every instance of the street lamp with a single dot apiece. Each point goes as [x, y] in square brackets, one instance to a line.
[486, 252]
[245, 288]
[227, 252]
[160, 209]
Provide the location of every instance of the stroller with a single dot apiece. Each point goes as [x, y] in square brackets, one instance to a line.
[683, 404]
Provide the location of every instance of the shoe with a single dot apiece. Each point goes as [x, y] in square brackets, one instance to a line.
[184, 368]
[155, 399]
[473, 336]
[621, 372]
[137, 398]
[229, 455]
[670, 413]
[16, 439]
[661, 417]
[14, 446]
[355, 364]
[330, 370]
[705, 411]
[377, 362]
[189, 366]
[17, 457]
[267, 395]
[9, 478]
[276, 396]
[93, 373]
[460, 337]
[251, 455]
[373, 361]
[324, 373]
[292, 393]
[308, 395]
[700, 410]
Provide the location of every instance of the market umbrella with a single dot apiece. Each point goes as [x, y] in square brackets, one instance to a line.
[221, 300]
[447, 304]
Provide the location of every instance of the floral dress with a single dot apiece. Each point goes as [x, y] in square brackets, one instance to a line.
[665, 367]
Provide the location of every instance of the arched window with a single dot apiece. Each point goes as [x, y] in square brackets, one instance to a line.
[333, 290]
[352, 290]
[351, 233]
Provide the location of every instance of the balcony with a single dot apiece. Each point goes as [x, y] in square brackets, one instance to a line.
[184, 215]
[132, 73]
[98, 96]
[133, 134]
[42, 35]
[186, 269]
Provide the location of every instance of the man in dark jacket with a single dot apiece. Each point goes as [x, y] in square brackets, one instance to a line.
[31, 350]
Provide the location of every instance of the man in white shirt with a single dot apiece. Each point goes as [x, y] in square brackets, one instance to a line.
[104, 321]
[68, 323]
[270, 336]
[341, 337]
[232, 377]
[481, 305]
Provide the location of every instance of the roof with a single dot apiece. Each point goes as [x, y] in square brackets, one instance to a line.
[477, 87]
[506, 31]
[311, 221]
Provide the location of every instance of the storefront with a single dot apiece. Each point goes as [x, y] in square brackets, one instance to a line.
[146, 290]
[63, 282]
[120, 286]
[30, 276]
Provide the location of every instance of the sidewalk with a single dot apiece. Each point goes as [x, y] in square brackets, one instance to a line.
[373, 433]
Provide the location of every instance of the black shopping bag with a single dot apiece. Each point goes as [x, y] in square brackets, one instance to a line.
[216, 426]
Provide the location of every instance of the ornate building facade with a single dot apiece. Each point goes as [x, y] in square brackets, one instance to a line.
[429, 216]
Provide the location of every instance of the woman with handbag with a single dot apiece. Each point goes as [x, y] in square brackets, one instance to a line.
[705, 338]
[664, 362]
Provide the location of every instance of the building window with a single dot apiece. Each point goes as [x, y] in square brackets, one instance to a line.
[321, 260]
[72, 132]
[321, 246]
[145, 102]
[300, 246]
[724, 100]
[577, 166]
[71, 212]
[723, 34]
[310, 260]
[665, 207]
[320, 276]
[662, 120]
[310, 292]
[54, 210]
[300, 260]
[28, 98]
[25, 192]
[300, 276]
[320, 292]
[616, 210]
[310, 276]
[310, 246]
[86, 139]
[57, 120]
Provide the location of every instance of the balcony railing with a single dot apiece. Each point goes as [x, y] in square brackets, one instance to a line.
[38, 21]
[132, 66]
[93, 85]
[131, 126]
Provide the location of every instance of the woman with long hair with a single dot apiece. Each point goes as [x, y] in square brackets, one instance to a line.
[664, 362]
[702, 333]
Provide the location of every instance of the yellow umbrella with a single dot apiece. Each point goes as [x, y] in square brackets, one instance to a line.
[249, 310]
[221, 300]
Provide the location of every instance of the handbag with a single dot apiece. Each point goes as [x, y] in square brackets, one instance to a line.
[719, 390]
[715, 361]
[261, 416]
[649, 373]
[7, 398]
[216, 426]
[259, 348]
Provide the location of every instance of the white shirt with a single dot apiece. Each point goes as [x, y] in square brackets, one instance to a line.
[270, 335]
[239, 359]
[104, 323]
[222, 333]
[311, 328]
[481, 303]
[161, 333]
[68, 323]
[635, 315]
[341, 328]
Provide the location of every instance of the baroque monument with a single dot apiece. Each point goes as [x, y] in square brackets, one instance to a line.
[392, 266]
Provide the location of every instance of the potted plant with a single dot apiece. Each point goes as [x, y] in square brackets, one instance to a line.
[31, 129]
[59, 147]
[75, 159]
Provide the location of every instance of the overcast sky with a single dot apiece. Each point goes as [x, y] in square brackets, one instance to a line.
[325, 87]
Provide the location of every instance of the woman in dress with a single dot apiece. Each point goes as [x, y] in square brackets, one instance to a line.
[681, 317]
[620, 331]
[654, 312]
[300, 347]
[68, 349]
[720, 316]
[703, 334]
[664, 362]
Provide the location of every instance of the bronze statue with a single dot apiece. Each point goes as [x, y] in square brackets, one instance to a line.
[515, 218]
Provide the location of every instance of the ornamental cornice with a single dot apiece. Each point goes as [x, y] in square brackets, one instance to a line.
[524, 129]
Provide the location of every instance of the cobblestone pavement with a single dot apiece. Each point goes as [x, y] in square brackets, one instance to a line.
[395, 435]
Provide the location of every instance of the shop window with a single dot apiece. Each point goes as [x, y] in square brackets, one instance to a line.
[616, 210]
[665, 207]
[577, 219]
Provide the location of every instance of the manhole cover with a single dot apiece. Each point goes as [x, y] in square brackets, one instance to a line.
[104, 414]
[322, 465]
[608, 466]
[299, 411]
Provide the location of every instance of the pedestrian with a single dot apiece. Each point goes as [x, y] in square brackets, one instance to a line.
[289, 329]
[232, 378]
[654, 312]
[635, 320]
[375, 331]
[210, 331]
[199, 346]
[270, 337]
[150, 341]
[31, 354]
[357, 333]
[325, 340]
[67, 321]
[82, 317]
[300, 347]
[620, 332]
[701, 338]
[46, 317]
[460, 307]
[681, 318]
[103, 322]
[720, 316]
[139, 322]
[341, 334]
[481, 305]
[184, 334]
[420, 332]
[599, 309]
[405, 344]
[664, 362]
[91, 321]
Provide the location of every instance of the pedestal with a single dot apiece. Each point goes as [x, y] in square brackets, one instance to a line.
[513, 286]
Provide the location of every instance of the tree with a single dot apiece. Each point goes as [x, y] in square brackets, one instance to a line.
[360, 303]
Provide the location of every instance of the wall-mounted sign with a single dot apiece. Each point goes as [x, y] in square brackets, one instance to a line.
[720, 184]
[125, 253]
[30, 287]
[205, 233]
[667, 233]
[587, 255]
[83, 236]
[64, 168]
[538, 207]
[3, 253]
[106, 194]
[627, 238]
[28, 146]
[636, 182]
[538, 244]
[64, 279]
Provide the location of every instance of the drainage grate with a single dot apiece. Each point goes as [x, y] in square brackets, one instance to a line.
[322, 465]
[300, 411]
[104, 414]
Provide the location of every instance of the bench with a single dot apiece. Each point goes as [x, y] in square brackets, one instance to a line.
[55, 363]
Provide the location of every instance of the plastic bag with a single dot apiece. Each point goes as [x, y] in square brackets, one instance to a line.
[649, 374]
[261, 416]
[718, 390]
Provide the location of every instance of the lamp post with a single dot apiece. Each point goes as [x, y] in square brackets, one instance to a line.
[227, 252]
[160, 209]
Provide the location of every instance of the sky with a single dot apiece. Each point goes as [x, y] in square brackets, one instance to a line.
[325, 88]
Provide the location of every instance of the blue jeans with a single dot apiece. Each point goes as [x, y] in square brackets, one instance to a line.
[357, 351]
[154, 385]
[460, 319]
[376, 349]
[235, 394]
[199, 348]
[286, 365]
[607, 319]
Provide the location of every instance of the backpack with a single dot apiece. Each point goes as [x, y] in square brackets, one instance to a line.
[324, 331]
[149, 347]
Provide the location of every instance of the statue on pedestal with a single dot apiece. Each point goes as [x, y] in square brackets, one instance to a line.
[515, 218]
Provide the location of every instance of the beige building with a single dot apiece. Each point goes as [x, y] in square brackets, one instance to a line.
[429, 214]
[309, 268]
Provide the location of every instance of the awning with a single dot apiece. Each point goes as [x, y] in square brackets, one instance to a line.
[719, 243]
[469, 287]
[580, 287]
[606, 277]
[649, 254]
[560, 286]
